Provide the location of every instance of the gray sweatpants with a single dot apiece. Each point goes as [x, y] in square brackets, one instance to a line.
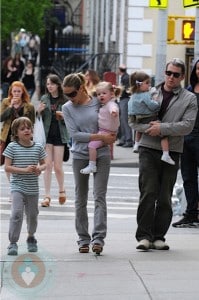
[100, 182]
[19, 202]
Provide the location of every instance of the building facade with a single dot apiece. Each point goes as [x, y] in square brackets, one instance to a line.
[129, 32]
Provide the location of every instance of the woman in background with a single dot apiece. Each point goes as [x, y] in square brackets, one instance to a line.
[50, 108]
[92, 79]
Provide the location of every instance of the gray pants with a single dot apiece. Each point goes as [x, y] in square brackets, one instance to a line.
[100, 182]
[19, 202]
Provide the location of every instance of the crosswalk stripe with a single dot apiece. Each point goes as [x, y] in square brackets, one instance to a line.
[72, 214]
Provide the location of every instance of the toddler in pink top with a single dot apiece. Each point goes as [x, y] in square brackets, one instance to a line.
[108, 120]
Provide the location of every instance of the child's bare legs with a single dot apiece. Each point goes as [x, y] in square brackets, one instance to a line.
[91, 168]
[137, 141]
[54, 158]
[165, 148]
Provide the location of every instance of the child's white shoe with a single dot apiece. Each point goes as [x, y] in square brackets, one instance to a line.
[89, 170]
[167, 159]
[135, 148]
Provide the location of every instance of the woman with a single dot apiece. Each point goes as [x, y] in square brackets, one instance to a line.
[92, 79]
[28, 78]
[9, 73]
[56, 136]
[81, 118]
[16, 105]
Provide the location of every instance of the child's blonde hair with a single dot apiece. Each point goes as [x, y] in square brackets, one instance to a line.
[136, 80]
[112, 88]
[17, 123]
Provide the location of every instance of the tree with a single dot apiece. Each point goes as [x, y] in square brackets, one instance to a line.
[28, 14]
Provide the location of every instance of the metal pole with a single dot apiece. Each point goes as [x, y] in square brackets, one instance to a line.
[161, 45]
[196, 46]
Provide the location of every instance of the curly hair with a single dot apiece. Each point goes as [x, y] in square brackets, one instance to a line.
[25, 96]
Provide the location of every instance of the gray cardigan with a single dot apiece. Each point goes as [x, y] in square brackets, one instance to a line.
[177, 122]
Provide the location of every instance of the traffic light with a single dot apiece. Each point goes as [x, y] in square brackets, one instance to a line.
[188, 30]
[171, 30]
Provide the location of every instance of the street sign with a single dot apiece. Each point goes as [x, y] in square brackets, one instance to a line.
[158, 3]
[188, 3]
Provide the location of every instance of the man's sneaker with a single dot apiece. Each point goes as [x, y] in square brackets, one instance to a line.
[160, 245]
[143, 245]
[32, 244]
[186, 222]
[13, 249]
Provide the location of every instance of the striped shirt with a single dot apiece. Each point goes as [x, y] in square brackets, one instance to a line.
[22, 157]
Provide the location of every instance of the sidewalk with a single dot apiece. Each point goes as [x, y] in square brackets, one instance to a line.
[120, 273]
[124, 157]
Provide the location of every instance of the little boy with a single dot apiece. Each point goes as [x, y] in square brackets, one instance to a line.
[24, 160]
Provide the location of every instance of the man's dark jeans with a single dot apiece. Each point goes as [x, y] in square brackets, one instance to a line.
[156, 182]
[189, 170]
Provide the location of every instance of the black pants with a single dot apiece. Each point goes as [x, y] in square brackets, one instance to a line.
[189, 170]
[156, 182]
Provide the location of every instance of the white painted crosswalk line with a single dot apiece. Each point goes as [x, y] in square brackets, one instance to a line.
[117, 209]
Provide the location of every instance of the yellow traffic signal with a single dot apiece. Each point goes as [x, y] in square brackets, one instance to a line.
[171, 30]
[188, 30]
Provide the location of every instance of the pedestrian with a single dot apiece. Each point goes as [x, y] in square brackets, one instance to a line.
[25, 160]
[28, 78]
[92, 79]
[9, 74]
[81, 118]
[19, 64]
[190, 162]
[144, 106]
[125, 131]
[50, 108]
[156, 178]
[108, 120]
[16, 105]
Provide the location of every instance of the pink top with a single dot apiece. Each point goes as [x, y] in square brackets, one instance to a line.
[107, 121]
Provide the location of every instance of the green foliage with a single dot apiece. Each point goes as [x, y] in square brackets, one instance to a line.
[28, 14]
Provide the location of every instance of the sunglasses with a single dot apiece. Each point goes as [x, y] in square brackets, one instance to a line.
[72, 94]
[175, 74]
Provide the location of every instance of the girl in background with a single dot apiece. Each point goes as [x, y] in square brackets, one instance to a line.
[16, 105]
[50, 108]
[28, 78]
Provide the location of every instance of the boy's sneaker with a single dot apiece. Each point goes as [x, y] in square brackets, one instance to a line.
[168, 159]
[89, 170]
[187, 222]
[13, 249]
[32, 244]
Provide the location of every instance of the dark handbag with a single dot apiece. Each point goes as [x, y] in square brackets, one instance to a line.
[66, 153]
[2, 148]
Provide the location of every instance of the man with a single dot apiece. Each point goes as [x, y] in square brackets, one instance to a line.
[156, 178]
[125, 132]
[190, 163]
